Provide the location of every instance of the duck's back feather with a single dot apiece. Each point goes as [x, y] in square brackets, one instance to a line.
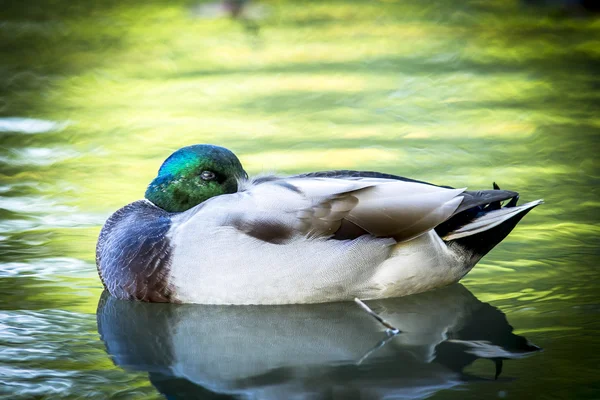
[470, 200]
[352, 174]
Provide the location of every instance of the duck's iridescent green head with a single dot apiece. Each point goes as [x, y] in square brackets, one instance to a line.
[194, 174]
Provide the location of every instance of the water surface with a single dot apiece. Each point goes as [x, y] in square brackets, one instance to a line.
[94, 96]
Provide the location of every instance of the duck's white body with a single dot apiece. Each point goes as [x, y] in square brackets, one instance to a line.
[274, 241]
[309, 271]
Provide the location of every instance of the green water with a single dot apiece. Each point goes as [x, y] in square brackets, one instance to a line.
[453, 92]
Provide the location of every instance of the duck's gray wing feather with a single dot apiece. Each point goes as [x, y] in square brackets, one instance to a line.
[391, 208]
[471, 198]
[351, 174]
[275, 210]
[320, 206]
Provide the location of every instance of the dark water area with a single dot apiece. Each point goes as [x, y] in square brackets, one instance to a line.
[94, 96]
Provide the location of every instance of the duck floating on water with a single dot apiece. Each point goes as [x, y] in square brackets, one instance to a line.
[207, 233]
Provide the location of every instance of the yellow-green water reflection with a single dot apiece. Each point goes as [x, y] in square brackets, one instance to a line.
[456, 93]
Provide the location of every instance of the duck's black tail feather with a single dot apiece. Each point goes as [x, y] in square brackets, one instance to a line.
[485, 199]
[480, 228]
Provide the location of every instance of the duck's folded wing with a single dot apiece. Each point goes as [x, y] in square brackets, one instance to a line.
[387, 208]
[275, 211]
[471, 199]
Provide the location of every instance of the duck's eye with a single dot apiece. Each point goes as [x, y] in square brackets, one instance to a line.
[208, 175]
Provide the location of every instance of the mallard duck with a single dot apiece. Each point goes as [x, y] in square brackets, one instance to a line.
[207, 233]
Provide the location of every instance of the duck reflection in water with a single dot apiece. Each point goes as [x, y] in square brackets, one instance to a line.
[332, 350]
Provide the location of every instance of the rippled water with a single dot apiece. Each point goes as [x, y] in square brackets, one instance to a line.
[94, 96]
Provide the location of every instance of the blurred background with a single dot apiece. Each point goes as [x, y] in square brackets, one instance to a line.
[94, 95]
